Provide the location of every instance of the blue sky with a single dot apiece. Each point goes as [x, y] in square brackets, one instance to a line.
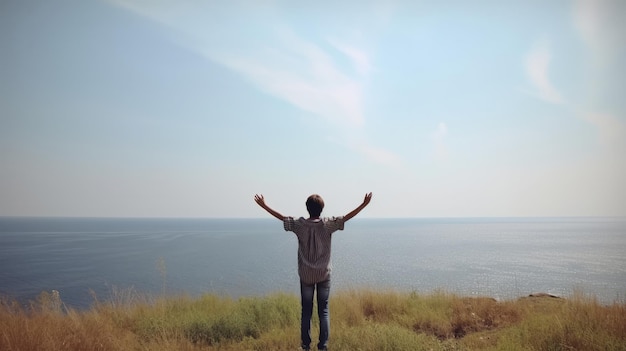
[158, 108]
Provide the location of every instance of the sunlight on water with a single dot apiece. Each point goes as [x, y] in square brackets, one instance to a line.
[502, 258]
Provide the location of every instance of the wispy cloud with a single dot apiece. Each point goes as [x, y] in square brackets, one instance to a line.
[268, 53]
[302, 73]
[602, 29]
[601, 26]
[610, 129]
[359, 58]
[536, 64]
[307, 72]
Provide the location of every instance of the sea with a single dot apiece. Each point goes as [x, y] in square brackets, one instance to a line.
[94, 259]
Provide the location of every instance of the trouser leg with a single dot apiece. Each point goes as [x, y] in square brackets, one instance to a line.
[306, 294]
[323, 294]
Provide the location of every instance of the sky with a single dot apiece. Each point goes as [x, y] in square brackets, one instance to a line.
[188, 108]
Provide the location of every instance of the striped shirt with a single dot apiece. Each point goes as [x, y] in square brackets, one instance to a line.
[314, 237]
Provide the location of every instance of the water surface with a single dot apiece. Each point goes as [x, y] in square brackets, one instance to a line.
[502, 258]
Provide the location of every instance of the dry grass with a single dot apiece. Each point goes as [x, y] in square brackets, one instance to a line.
[360, 320]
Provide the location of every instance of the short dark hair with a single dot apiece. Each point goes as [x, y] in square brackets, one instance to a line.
[315, 205]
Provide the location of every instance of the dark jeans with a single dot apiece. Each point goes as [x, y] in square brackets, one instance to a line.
[306, 292]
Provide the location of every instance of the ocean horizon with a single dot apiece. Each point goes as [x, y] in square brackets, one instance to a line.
[500, 257]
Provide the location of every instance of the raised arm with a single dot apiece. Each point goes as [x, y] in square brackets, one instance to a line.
[366, 201]
[261, 201]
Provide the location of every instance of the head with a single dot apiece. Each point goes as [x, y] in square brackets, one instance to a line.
[315, 205]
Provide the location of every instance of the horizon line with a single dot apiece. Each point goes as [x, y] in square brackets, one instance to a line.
[623, 217]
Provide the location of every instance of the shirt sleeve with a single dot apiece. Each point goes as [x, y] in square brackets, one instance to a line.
[334, 223]
[289, 223]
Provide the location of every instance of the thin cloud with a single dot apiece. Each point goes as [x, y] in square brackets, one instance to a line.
[601, 26]
[359, 58]
[304, 72]
[602, 29]
[536, 64]
[301, 73]
[611, 131]
[287, 66]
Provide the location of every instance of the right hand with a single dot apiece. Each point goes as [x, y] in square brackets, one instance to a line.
[367, 199]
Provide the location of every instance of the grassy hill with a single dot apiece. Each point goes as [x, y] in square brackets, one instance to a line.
[360, 320]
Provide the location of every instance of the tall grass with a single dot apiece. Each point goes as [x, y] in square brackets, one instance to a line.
[360, 320]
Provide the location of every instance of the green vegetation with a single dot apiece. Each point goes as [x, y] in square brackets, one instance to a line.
[360, 320]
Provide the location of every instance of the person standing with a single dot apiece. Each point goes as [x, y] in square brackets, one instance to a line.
[314, 264]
